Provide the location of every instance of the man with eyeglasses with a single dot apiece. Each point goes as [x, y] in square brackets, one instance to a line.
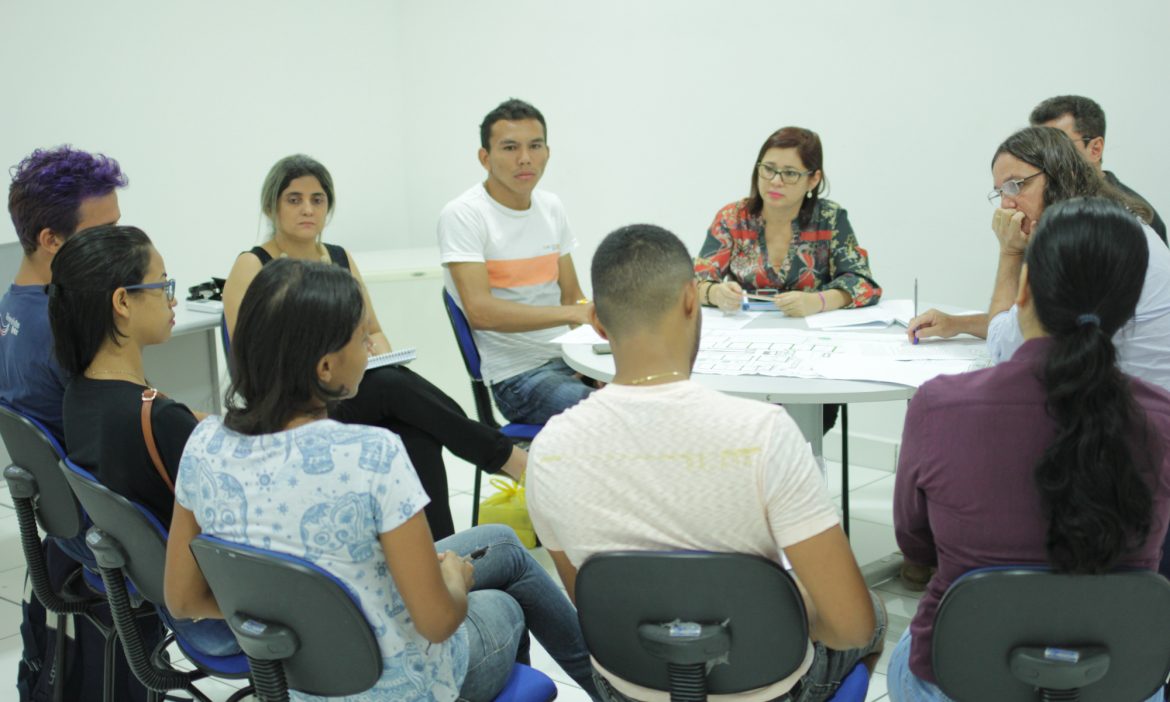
[54, 193]
[506, 254]
[1083, 121]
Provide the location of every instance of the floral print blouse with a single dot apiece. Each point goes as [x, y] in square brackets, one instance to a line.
[823, 256]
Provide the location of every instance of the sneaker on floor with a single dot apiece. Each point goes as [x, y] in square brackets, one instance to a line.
[915, 576]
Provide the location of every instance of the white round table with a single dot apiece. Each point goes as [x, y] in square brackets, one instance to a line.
[804, 398]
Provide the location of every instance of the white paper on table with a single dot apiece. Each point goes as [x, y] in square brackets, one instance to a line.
[584, 334]
[727, 321]
[943, 350]
[885, 371]
[873, 316]
[902, 311]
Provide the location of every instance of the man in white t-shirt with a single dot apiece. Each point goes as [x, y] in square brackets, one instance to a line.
[656, 461]
[506, 254]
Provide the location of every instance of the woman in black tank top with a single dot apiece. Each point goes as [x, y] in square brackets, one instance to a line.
[297, 197]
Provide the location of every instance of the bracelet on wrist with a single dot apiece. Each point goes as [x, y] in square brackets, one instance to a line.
[822, 296]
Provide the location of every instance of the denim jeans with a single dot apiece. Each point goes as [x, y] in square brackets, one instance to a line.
[513, 594]
[905, 686]
[532, 397]
[211, 637]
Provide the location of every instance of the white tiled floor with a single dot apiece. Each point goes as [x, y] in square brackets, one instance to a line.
[872, 536]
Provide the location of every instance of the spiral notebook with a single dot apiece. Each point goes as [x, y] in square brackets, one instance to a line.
[393, 358]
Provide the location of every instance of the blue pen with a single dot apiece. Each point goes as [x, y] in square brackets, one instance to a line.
[743, 305]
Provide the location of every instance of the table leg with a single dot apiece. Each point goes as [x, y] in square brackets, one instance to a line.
[811, 421]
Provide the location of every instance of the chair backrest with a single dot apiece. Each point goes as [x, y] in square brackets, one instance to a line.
[619, 591]
[142, 537]
[471, 361]
[995, 619]
[463, 336]
[336, 654]
[31, 446]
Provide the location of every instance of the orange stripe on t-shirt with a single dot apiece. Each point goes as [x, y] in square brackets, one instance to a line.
[521, 272]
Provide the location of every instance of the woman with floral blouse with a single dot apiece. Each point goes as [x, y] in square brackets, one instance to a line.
[785, 238]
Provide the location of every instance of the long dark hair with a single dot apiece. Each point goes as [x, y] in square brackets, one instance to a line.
[86, 271]
[293, 313]
[808, 146]
[1066, 173]
[1085, 263]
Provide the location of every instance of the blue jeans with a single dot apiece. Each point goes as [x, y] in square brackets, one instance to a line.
[211, 637]
[905, 686]
[532, 397]
[511, 595]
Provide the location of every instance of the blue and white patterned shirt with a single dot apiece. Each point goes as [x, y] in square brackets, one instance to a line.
[324, 491]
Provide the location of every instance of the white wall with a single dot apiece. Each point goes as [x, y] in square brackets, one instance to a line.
[656, 109]
[197, 101]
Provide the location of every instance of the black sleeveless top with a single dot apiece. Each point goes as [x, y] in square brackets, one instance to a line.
[336, 254]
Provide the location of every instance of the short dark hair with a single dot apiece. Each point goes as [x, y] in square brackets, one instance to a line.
[1093, 478]
[1088, 117]
[294, 312]
[1067, 174]
[808, 146]
[637, 274]
[285, 171]
[87, 269]
[511, 110]
[49, 185]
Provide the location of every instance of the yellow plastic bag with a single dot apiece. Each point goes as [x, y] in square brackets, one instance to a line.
[508, 506]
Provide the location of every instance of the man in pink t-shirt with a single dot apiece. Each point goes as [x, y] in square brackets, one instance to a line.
[656, 461]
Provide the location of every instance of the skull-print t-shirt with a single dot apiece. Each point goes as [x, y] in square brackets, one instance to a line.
[324, 491]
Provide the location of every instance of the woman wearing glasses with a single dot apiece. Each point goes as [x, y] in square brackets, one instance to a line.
[1034, 169]
[297, 198]
[783, 240]
[109, 299]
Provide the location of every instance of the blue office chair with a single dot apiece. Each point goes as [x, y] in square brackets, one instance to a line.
[659, 619]
[1019, 634]
[518, 433]
[313, 637]
[129, 544]
[41, 495]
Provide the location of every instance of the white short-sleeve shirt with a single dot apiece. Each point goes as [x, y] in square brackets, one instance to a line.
[522, 251]
[324, 491]
[675, 466]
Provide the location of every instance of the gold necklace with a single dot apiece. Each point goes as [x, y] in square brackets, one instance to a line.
[656, 376]
[124, 374]
[322, 252]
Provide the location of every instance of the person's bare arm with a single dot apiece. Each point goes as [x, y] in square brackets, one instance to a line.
[1008, 226]
[378, 341]
[571, 292]
[841, 616]
[568, 573]
[434, 587]
[186, 591]
[935, 323]
[486, 312]
[245, 269]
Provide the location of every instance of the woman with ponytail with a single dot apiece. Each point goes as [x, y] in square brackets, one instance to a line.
[1053, 457]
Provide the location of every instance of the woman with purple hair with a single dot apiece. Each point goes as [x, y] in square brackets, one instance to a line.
[297, 198]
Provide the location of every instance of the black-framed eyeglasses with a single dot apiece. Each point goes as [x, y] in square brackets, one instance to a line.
[1011, 188]
[168, 286]
[788, 176]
